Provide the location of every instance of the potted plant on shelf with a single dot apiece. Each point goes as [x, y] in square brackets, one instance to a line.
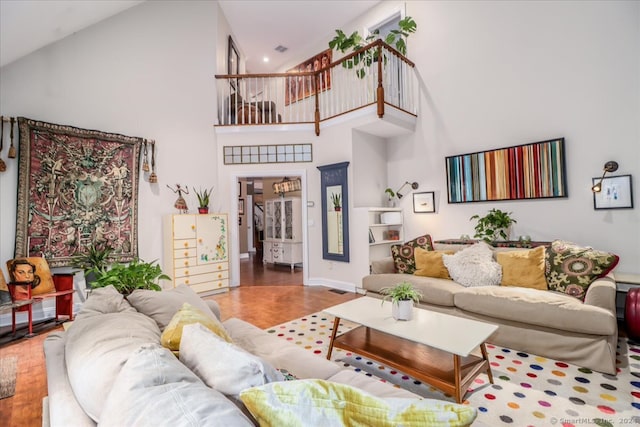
[91, 262]
[337, 200]
[396, 38]
[126, 278]
[203, 200]
[494, 225]
[390, 196]
[402, 296]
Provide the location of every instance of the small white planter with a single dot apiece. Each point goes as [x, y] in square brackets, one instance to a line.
[402, 310]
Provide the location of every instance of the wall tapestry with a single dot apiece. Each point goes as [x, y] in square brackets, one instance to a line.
[528, 171]
[76, 188]
[301, 87]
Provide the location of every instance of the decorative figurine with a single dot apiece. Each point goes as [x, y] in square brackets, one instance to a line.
[181, 203]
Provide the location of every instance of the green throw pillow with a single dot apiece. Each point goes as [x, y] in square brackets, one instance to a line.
[404, 257]
[570, 268]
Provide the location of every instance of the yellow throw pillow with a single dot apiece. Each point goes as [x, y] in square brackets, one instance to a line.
[323, 403]
[523, 268]
[429, 263]
[188, 315]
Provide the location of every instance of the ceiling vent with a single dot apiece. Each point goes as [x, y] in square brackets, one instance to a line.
[281, 48]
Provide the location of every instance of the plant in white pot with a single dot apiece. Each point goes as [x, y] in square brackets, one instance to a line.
[402, 296]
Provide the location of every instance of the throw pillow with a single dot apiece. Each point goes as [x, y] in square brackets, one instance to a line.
[323, 403]
[188, 315]
[223, 365]
[523, 268]
[429, 263]
[474, 266]
[570, 268]
[161, 306]
[102, 301]
[97, 347]
[403, 255]
[155, 389]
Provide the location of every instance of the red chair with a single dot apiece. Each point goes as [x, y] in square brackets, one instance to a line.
[24, 295]
[632, 313]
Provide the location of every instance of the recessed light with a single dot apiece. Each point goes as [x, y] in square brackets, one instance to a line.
[265, 59]
[281, 48]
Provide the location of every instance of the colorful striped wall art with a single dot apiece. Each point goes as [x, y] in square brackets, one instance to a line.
[528, 171]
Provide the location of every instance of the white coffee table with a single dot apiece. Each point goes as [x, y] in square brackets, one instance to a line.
[432, 347]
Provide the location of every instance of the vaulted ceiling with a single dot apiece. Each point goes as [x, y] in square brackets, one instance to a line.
[258, 25]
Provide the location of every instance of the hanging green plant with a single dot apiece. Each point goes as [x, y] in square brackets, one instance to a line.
[396, 38]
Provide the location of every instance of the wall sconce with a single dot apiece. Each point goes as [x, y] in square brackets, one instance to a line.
[610, 166]
[414, 185]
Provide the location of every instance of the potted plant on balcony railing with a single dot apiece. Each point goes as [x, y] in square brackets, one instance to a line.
[396, 38]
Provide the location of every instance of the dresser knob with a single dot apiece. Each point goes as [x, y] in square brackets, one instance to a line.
[186, 254]
[186, 282]
[193, 227]
[200, 241]
[186, 245]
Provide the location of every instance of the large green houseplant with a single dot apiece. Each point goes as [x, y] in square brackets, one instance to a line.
[126, 278]
[396, 38]
[494, 225]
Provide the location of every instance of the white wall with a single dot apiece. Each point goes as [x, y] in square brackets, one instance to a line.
[146, 72]
[497, 74]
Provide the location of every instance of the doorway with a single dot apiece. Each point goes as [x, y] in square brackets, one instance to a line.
[254, 192]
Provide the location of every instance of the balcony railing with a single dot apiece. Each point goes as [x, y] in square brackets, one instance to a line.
[358, 80]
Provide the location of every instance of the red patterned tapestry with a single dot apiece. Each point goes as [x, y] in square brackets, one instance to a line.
[76, 188]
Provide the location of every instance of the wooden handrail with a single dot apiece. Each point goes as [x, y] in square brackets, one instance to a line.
[339, 87]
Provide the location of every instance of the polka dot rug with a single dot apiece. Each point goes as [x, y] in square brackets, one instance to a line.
[528, 390]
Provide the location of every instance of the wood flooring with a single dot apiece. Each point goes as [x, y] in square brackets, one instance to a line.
[268, 295]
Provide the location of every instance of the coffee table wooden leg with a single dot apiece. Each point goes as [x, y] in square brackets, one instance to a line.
[336, 323]
[458, 380]
[485, 355]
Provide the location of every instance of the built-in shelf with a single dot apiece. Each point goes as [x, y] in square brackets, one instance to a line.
[382, 222]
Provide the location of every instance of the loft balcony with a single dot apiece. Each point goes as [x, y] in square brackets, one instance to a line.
[355, 86]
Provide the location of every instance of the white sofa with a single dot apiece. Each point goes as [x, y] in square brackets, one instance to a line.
[84, 362]
[539, 322]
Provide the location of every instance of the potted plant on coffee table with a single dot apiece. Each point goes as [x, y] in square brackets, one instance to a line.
[203, 200]
[494, 225]
[402, 296]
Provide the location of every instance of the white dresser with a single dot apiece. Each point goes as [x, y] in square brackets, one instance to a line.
[196, 251]
[283, 231]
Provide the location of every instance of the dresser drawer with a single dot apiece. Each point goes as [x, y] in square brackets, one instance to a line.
[201, 270]
[210, 286]
[199, 279]
[184, 244]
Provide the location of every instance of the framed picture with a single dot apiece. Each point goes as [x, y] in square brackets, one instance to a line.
[528, 171]
[239, 189]
[240, 206]
[424, 202]
[298, 87]
[616, 193]
[233, 61]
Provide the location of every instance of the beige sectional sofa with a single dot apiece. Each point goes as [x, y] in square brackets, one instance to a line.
[108, 368]
[540, 322]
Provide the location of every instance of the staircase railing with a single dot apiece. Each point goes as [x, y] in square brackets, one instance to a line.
[376, 74]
